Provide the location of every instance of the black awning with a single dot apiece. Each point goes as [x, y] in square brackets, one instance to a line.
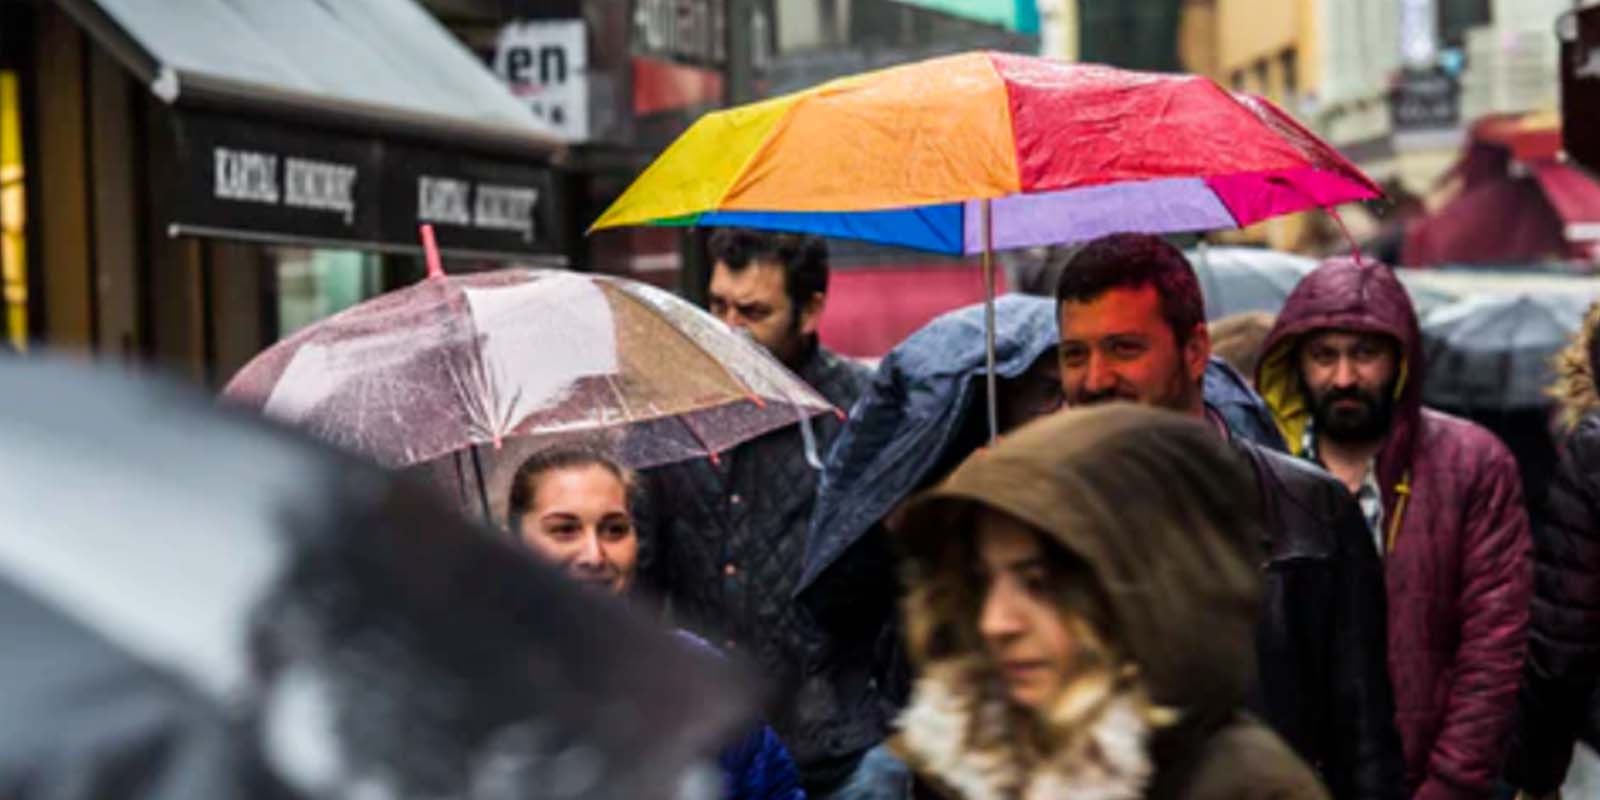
[252, 179]
[345, 123]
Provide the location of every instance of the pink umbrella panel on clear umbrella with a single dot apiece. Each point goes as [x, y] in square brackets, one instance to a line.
[456, 362]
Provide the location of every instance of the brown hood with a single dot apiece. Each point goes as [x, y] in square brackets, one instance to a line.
[1574, 387]
[1160, 511]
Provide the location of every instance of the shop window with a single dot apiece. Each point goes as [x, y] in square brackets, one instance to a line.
[314, 284]
[13, 215]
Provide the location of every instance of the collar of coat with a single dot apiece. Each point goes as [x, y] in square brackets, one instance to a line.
[949, 737]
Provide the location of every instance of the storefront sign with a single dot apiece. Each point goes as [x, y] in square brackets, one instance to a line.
[267, 181]
[546, 63]
[1425, 99]
[1580, 86]
[494, 205]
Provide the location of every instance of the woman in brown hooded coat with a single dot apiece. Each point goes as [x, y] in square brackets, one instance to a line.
[1080, 610]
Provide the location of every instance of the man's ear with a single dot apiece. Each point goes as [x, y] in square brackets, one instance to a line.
[1197, 350]
[811, 313]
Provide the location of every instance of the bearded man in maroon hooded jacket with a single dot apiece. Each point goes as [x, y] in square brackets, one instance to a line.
[1342, 371]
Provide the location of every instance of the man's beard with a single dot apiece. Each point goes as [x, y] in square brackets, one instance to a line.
[1367, 421]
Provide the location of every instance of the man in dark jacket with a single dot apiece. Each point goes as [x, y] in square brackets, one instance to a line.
[724, 538]
[1342, 372]
[1559, 683]
[1133, 329]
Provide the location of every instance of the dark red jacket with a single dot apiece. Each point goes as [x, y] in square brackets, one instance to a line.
[1458, 569]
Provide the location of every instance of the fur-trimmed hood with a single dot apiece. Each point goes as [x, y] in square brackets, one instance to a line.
[1574, 387]
[1165, 519]
[959, 733]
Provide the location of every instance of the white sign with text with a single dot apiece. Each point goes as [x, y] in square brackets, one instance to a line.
[545, 62]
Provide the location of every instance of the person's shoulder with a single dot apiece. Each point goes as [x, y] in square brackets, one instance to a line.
[1461, 443]
[1307, 509]
[1298, 479]
[835, 364]
[1246, 760]
[840, 375]
[1583, 439]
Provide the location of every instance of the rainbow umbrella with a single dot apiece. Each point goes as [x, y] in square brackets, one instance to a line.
[978, 152]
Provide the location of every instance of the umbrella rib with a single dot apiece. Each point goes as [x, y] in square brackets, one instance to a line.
[737, 381]
[616, 392]
[704, 445]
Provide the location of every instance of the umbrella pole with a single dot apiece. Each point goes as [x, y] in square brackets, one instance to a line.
[991, 381]
[483, 488]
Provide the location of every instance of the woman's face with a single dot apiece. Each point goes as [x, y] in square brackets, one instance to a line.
[1024, 632]
[580, 521]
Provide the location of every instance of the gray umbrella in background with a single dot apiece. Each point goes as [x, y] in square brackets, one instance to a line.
[199, 605]
[1235, 280]
[1238, 280]
[1493, 351]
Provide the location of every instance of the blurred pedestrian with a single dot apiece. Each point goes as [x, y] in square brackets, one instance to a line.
[571, 506]
[1343, 373]
[1559, 705]
[1237, 339]
[1133, 329]
[728, 536]
[1078, 635]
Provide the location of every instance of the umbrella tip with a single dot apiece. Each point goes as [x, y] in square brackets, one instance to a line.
[430, 252]
[840, 414]
[1355, 247]
[715, 461]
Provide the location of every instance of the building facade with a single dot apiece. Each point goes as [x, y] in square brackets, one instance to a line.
[186, 185]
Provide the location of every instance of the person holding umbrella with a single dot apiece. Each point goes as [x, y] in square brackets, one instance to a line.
[1077, 636]
[727, 535]
[571, 505]
[1132, 328]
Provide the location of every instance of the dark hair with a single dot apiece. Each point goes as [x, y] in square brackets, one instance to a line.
[525, 484]
[1132, 261]
[804, 259]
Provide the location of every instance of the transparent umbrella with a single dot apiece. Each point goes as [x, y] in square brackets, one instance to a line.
[455, 362]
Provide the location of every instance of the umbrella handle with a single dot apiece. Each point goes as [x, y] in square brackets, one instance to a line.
[430, 251]
[991, 381]
[483, 486]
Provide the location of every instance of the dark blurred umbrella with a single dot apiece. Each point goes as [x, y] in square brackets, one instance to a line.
[458, 361]
[197, 605]
[1238, 280]
[1493, 351]
[1235, 280]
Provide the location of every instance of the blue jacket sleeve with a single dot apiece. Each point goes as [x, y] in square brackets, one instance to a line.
[758, 767]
